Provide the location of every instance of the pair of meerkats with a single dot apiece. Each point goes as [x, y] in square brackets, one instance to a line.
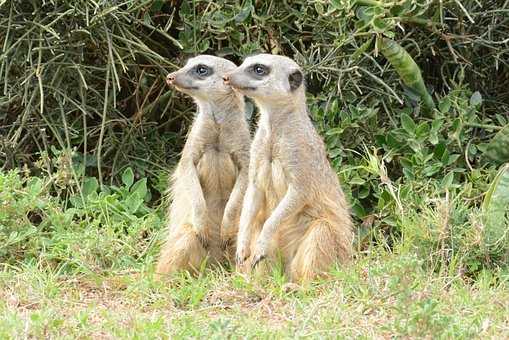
[274, 198]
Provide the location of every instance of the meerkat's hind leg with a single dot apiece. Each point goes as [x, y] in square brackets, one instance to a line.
[320, 248]
[181, 251]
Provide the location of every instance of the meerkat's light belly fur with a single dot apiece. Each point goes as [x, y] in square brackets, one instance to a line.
[272, 180]
[217, 174]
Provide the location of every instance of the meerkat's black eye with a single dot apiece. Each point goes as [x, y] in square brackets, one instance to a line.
[202, 70]
[259, 70]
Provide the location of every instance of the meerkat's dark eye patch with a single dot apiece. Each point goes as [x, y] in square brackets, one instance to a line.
[259, 70]
[202, 71]
[295, 79]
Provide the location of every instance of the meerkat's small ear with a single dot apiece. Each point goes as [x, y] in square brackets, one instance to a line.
[295, 79]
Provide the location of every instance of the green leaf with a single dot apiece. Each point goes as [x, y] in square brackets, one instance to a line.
[406, 163]
[379, 24]
[422, 130]
[452, 159]
[203, 45]
[447, 180]
[431, 169]
[364, 192]
[358, 210]
[389, 34]
[140, 188]
[407, 69]
[128, 177]
[244, 12]
[496, 209]
[35, 186]
[364, 47]
[336, 4]
[76, 202]
[157, 5]
[498, 148]
[356, 181]
[444, 105]
[407, 123]
[433, 138]
[90, 185]
[364, 13]
[445, 157]
[476, 99]
[132, 203]
[334, 152]
[334, 131]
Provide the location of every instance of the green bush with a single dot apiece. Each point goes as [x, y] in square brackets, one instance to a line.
[82, 97]
[94, 231]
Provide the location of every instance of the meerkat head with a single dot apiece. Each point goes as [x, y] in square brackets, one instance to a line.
[201, 78]
[267, 78]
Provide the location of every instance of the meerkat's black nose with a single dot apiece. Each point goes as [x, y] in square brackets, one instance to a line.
[170, 78]
[226, 79]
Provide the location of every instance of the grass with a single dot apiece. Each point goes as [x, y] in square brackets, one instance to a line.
[381, 295]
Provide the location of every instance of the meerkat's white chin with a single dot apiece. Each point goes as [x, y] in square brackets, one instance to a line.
[237, 90]
[185, 88]
[245, 90]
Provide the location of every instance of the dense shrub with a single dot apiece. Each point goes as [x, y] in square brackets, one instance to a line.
[95, 230]
[83, 81]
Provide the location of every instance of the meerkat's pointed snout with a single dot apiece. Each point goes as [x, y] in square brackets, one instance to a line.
[170, 78]
[226, 79]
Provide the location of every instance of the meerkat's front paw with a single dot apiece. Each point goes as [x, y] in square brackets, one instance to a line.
[241, 255]
[259, 254]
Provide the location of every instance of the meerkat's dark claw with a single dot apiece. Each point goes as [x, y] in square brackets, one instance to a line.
[256, 260]
[203, 241]
[240, 260]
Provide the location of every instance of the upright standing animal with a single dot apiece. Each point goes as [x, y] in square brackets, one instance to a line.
[294, 205]
[210, 179]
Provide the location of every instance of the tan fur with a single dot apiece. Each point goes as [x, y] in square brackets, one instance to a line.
[294, 204]
[210, 179]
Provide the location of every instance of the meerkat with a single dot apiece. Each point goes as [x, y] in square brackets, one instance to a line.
[294, 206]
[210, 180]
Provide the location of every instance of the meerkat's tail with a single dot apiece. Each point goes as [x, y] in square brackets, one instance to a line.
[325, 243]
[181, 251]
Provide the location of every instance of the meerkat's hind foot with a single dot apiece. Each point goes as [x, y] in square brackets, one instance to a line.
[269, 268]
[228, 248]
[253, 268]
